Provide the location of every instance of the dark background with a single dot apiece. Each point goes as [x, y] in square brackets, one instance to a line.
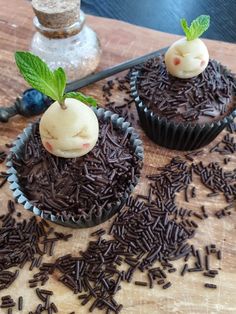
[164, 15]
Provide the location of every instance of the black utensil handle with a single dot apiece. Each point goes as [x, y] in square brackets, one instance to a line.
[77, 84]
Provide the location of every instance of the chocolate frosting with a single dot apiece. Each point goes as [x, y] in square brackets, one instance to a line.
[204, 98]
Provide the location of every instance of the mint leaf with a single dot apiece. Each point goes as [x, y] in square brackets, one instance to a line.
[197, 27]
[36, 72]
[88, 100]
[60, 82]
[185, 27]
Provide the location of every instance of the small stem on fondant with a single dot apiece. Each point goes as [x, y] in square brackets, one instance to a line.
[62, 104]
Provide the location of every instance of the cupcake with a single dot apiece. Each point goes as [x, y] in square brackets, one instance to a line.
[183, 98]
[77, 165]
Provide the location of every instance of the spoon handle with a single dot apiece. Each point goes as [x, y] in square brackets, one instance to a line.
[77, 84]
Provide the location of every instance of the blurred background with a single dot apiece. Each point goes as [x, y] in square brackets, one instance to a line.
[164, 15]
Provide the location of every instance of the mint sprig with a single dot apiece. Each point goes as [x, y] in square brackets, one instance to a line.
[51, 83]
[197, 27]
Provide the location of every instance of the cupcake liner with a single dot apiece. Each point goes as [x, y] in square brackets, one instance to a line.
[173, 135]
[92, 219]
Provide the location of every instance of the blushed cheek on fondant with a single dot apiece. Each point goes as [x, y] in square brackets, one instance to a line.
[48, 146]
[176, 61]
[86, 145]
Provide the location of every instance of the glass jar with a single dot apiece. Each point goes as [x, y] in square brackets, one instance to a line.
[64, 40]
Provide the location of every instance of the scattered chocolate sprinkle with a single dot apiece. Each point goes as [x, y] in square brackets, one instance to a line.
[213, 272]
[210, 285]
[46, 305]
[190, 155]
[124, 108]
[204, 211]
[167, 285]
[20, 303]
[207, 262]
[213, 194]
[193, 192]
[226, 146]
[207, 274]
[197, 215]
[141, 283]
[160, 282]
[20, 242]
[215, 178]
[99, 232]
[186, 194]
[224, 212]
[219, 255]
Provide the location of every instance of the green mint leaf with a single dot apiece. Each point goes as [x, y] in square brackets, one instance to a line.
[60, 82]
[197, 27]
[185, 27]
[88, 100]
[36, 72]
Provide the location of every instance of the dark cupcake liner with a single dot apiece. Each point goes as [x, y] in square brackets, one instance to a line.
[93, 220]
[173, 135]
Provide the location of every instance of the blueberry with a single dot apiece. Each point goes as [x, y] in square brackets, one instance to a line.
[32, 103]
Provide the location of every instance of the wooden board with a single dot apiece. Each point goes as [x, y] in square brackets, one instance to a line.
[121, 41]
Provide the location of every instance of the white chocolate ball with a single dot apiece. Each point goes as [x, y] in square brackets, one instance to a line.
[70, 132]
[186, 59]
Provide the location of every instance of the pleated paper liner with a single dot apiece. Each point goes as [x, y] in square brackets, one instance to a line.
[179, 136]
[109, 210]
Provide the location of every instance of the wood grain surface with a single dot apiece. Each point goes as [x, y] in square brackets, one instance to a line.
[121, 41]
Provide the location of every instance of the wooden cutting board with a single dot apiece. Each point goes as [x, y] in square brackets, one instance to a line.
[121, 41]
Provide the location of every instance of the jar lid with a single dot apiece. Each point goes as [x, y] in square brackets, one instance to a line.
[57, 14]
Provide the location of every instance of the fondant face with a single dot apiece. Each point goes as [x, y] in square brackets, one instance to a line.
[186, 59]
[69, 133]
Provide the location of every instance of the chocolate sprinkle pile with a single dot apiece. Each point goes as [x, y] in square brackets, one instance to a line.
[7, 302]
[151, 229]
[225, 147]
[203, 98]
[22, 242]
[80, 187]
[216, 179]
[122, 108]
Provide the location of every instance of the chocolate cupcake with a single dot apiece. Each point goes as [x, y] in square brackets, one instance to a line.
[78, 164]
[83, 191]
[184, 100]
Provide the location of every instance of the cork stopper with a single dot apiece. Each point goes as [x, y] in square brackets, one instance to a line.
[57, 14]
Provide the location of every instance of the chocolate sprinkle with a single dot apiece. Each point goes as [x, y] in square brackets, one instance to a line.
[79, 187]
[203, 98]
[20, 242]
[210, 285]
